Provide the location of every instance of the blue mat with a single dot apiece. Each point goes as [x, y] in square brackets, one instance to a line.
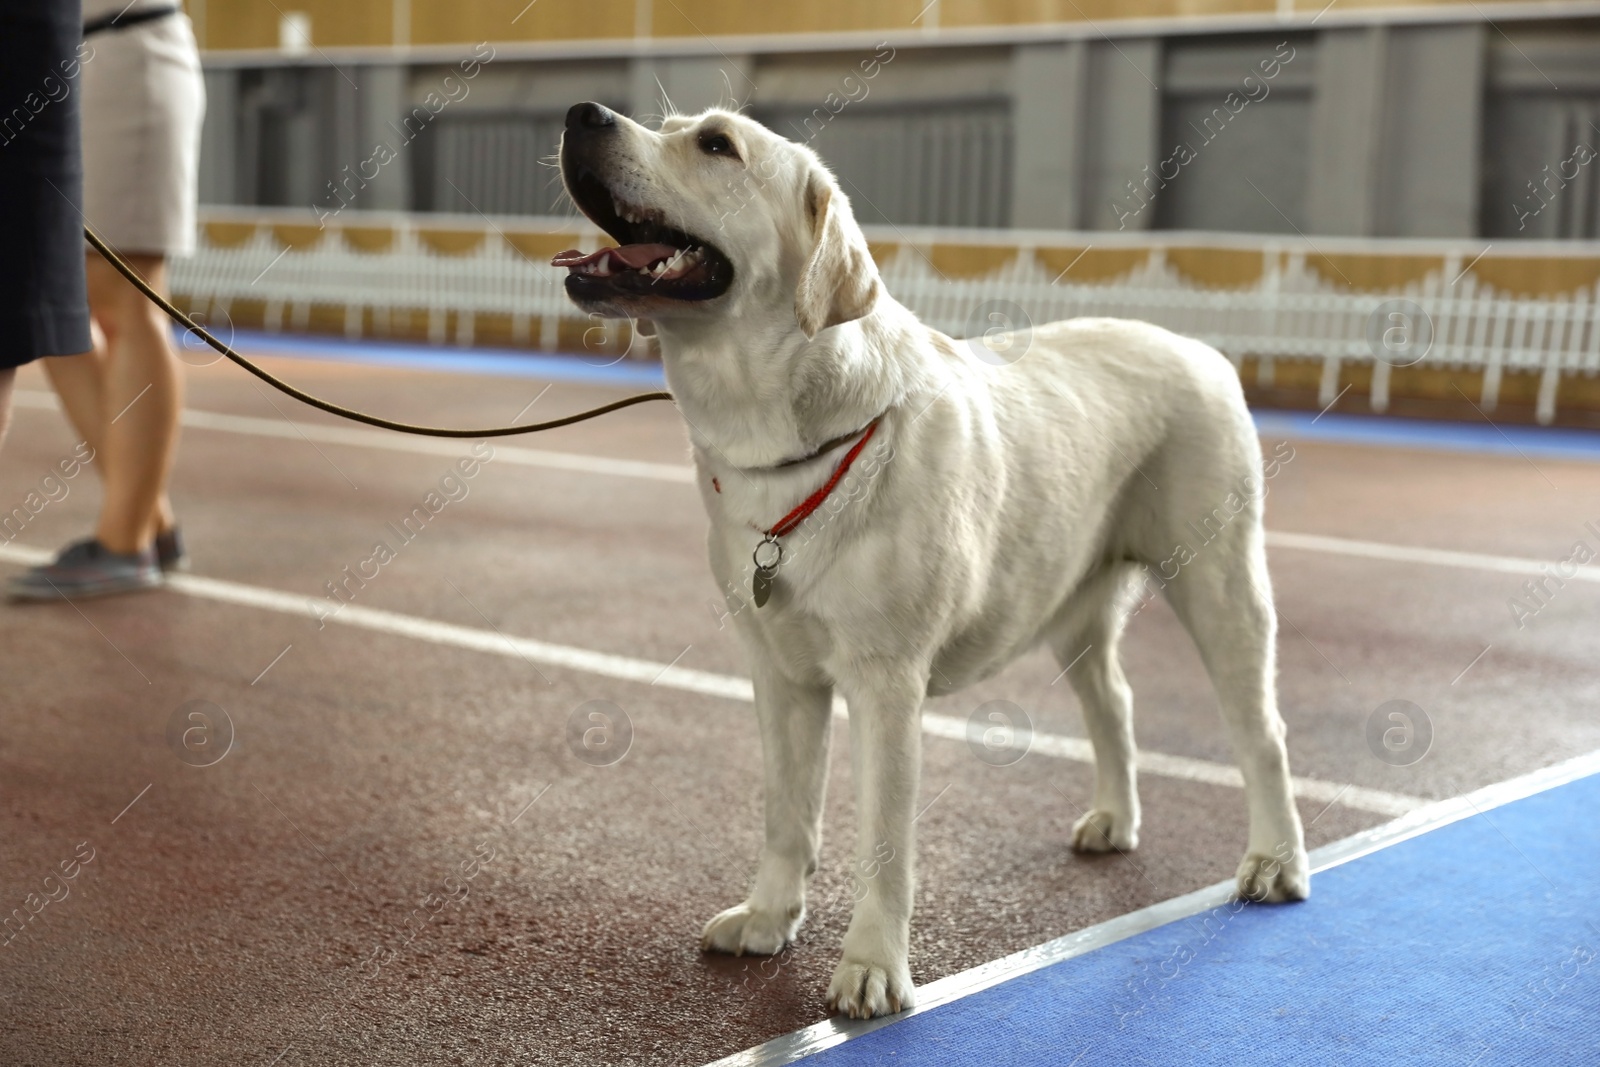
[1433, 435]
[598, 369]
[1461, 946]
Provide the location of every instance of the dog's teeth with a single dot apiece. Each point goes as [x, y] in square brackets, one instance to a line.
[681, 262]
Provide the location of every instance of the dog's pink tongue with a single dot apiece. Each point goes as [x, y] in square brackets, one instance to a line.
[574, 258]
[631, 256]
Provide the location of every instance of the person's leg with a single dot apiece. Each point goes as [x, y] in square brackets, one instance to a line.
[78, 383]
[124, 397]
[7, 376]
[141, 384]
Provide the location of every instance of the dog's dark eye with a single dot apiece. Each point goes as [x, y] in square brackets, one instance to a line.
[716, 144]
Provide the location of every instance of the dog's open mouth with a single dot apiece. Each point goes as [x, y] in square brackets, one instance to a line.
[652, 258]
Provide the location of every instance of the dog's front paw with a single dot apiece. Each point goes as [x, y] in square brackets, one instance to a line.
[862, 990]
[1270, 880]
[747, 929]
[1099, 830]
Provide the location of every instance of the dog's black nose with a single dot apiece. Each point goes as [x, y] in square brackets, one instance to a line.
[589, 116]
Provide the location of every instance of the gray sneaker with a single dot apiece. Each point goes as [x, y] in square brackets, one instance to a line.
[171, 552]
[87, 569]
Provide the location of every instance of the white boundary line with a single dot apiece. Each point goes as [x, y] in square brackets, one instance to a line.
[250, 426]
[1437, 557]
[812, 1039]
[708, 683]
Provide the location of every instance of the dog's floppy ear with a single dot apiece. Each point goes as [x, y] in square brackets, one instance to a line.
[839, 282]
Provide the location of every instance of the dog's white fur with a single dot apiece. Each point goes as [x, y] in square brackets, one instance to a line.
[1016, 506]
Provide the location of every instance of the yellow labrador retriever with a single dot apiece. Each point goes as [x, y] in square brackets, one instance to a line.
[997, 507]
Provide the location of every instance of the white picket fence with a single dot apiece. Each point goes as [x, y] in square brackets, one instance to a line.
[1291, 312]
[495, 278]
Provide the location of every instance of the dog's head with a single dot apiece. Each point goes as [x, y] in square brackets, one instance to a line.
[714, 215]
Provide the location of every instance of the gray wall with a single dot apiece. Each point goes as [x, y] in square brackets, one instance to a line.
[1239, 113]
[1436, 130]
[1396, 129]
[1535, 183]
[935, 164]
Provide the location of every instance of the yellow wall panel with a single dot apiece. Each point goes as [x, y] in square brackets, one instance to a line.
[253, 24]
[334, 23]
[452, 242]
[1538, 276]
[1218, 268]
[1019, 12]
[374, 240]
[971, 261]
[882, 251]
[712, 18]
[290, 235]
[471, 21]
[1079, 265]
[1011, 12]
[1312, 6]
[228, 234]
[1382, 273]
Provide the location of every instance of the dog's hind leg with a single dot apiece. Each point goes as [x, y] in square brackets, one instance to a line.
[794, 721]
[1087, 653]
[1223, 596]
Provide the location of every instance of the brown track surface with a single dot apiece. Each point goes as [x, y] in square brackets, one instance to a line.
[227, 915]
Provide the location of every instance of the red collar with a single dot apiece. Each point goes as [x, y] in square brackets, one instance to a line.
[767, 564]
[810, 504]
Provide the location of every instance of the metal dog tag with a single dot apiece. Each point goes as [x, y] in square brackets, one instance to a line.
[766, 569]
[761, 587]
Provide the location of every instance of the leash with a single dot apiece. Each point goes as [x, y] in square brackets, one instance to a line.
[334, 409]
[768, 555]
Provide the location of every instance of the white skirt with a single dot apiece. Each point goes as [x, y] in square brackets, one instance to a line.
[144, 99]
